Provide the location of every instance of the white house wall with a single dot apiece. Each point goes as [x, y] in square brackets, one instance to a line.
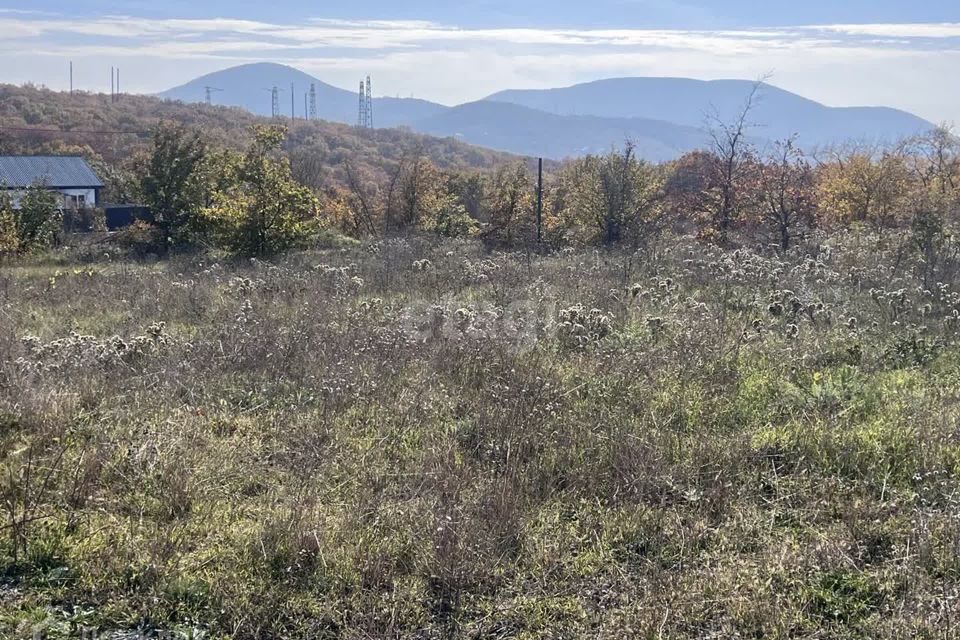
[89, 195]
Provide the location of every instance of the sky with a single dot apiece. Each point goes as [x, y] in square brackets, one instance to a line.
[840, 52]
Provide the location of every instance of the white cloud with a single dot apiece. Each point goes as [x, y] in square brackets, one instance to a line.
[932, 30]
[896, 64]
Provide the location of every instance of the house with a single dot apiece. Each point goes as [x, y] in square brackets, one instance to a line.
[70, 176]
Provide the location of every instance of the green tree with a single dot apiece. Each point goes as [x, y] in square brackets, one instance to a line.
[175, 181]
[469, 189]
[447, 216]
[38, 219]
[9, 238]
[265, 211]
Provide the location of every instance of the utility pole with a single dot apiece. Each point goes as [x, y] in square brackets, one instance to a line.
[112, 86]
[293, 95]
[118, 85]
[540, 200]
[71, 77]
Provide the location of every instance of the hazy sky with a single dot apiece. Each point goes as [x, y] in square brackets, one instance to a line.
[841, 52]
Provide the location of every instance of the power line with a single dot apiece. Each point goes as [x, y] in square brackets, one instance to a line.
[76, 131]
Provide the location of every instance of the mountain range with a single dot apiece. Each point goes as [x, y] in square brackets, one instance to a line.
[664, 117]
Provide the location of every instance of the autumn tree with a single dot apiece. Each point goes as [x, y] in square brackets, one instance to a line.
[419, 191]
[361, 208]
[785, 199]
[864, 184]
[510, 205]
[616, 195]
[685, 183]
[731, 161]
[265, 210]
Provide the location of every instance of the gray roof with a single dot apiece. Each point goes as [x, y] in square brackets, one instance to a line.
[53, 171]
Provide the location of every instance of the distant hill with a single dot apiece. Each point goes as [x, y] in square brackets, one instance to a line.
[503, 126]
[777, 114]
[664, 116]
[248, 86]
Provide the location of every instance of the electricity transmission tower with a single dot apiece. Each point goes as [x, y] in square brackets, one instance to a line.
[312, 114]
[365, 116]
[274, 101]
[362, 116]
[369, 122]
[114, 84]
[209, 94]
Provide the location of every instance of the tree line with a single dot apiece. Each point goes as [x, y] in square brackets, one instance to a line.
[263, 200]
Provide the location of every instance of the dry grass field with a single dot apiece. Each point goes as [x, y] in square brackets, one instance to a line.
[414, 438]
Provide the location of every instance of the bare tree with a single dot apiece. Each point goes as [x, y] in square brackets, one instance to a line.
[935, 159]
[732, 151]
[365, 218]
[308, 166]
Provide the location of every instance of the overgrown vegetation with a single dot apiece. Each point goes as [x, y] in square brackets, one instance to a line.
[719, 400]
[420, 439]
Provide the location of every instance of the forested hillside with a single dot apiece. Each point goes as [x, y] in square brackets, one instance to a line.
[112, 134]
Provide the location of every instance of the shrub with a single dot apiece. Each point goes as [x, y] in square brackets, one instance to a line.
[141, 239]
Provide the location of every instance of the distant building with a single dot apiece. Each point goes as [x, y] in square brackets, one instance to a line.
[70, 176]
